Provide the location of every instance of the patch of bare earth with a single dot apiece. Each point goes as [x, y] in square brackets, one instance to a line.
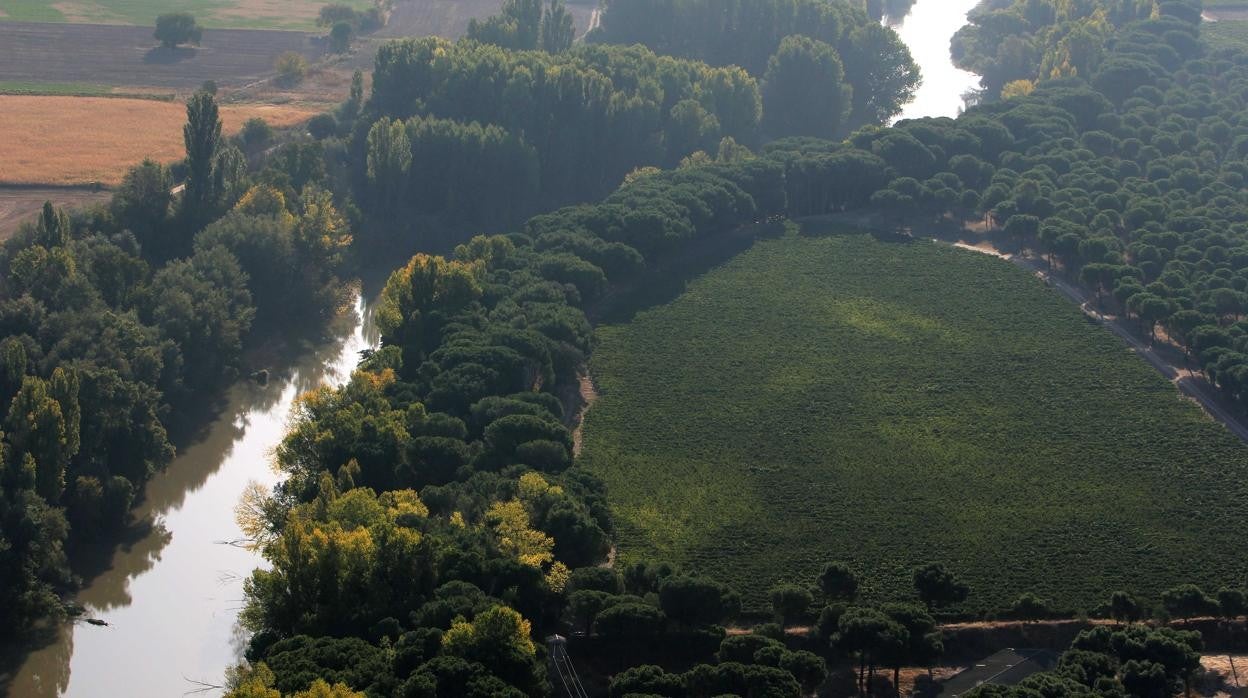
[21, 205]
[113, 55]
[588, 395]
[1225, 675]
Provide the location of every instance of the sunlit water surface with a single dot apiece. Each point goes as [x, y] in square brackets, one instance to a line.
[171, 596]
[927, 30]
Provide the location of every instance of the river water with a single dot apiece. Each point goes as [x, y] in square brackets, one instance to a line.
[171, 595]
[927, 30]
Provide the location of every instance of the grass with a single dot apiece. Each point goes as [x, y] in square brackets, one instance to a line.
[298, 15]
[79, 89]
[890, 404]
[60, 140]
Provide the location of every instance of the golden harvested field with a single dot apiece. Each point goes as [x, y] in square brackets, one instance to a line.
[80, 140]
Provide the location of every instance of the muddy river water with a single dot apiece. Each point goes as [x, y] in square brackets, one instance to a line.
[172, 593]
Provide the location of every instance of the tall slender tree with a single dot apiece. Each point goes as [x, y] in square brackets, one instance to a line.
[557, 31]
[202, 134]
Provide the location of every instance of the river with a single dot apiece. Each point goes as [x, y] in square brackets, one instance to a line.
[927, 30]
[171, 595]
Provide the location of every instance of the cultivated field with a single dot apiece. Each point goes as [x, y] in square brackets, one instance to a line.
[75, 140]
[238, 14]
[21, 204]
[128, 56]
[890, 404]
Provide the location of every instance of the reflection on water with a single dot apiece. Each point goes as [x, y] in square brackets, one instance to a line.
[172, 592]
[927, 30]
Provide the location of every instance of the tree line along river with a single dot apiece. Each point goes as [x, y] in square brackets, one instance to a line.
[172, 591]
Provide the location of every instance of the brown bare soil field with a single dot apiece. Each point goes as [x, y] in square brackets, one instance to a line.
[21, 204]
[79, 140]
[128, 56]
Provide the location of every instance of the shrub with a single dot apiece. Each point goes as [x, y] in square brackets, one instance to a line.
[322, 126]
[291, 68]
[790, 602]
[340, 37]
[177, 28]
[256, 134]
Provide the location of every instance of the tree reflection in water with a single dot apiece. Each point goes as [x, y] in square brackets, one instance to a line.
[188, 584]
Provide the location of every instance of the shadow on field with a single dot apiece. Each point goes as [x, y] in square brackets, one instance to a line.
[162, 55]
[668, 277]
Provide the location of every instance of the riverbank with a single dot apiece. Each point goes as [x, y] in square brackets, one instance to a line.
[171, 591]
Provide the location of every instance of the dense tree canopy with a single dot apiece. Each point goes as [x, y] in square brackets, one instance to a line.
[878, 66]
[114, 320]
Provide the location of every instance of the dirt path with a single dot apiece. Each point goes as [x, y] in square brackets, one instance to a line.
[584, 398]
[588, 395]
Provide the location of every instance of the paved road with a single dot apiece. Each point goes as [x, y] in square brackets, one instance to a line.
[1187, 382]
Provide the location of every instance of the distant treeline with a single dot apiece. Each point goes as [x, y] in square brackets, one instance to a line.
[487, 136]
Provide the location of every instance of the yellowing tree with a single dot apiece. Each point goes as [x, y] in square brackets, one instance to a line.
[499, 628]
[264, 200]
[321, 233]
[42, 424]
[533, 486]
[321, 689]
[510, 522]
[1017, 88]
[427, 283]
[255, 681]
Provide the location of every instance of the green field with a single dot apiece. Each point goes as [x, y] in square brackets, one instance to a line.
[891, 404]
[297, 15]
[76, 89]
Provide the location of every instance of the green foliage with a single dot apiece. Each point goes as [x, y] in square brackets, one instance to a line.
[790, 602]
[1135, 660]
[202, 136]
[696, 601]
[256, 134]
[804, 90]
[878, 66]
[1187, 601]
[104, 339]
[541, 120]
[177, 28]
[864, 411]
[838, 582]
[292, 67]
[526, 25]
